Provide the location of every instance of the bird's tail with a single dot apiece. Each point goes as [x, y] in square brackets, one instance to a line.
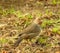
[17, 42]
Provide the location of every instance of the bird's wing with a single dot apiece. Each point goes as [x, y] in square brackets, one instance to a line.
[28, 29]
[30, 35]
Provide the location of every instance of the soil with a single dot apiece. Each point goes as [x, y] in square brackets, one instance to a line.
[11, 26]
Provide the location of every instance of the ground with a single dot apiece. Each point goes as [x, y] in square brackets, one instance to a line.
[13, 20]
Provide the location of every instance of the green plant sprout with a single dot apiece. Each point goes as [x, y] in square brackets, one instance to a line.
[3, 41]
[54, 1]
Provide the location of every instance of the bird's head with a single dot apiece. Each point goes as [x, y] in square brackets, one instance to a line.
[38, 20]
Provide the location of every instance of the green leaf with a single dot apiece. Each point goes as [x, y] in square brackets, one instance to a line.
[19, 14]
[12, 11]
[42, 40]
[28, 15]
[2, 41]
[55, 29]
[54, 1]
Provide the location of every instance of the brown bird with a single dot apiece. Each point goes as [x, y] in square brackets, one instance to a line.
[31, 31]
